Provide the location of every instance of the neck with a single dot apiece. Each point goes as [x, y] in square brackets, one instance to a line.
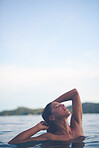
[63, 126]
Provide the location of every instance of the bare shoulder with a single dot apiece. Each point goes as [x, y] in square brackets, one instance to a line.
[51, 136]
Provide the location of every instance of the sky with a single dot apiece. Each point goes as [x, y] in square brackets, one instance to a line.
[48, 47]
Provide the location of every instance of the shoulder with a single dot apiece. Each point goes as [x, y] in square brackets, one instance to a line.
[50, 136]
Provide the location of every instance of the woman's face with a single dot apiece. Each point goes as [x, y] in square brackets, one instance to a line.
[59, 110]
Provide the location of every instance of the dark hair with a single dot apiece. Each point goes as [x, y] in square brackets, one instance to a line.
[46, 114]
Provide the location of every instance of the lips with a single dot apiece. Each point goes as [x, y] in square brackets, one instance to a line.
[65, 109]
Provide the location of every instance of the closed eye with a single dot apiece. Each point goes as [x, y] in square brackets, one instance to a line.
[56, 106]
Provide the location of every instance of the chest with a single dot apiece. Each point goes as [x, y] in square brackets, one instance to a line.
[74, 133]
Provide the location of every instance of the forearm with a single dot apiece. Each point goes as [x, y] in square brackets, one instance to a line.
[24, 135]
[67, 96]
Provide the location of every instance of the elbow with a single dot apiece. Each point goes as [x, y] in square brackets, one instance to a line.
[10, 142]
[16, 140]
[13, 142]
[75, 94]
[75, 91]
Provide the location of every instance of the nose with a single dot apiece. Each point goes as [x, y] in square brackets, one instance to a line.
[62, 105]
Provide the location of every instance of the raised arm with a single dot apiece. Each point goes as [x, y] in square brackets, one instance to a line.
[25, 136]
[66, 96]
[73, 95]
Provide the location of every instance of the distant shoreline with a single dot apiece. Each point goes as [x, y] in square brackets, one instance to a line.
[87, 108]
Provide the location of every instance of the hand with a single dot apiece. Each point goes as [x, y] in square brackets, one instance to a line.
[43, 125]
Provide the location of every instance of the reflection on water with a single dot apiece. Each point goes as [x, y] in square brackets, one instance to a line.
[10, 126]
[52, 144]
[55, 144]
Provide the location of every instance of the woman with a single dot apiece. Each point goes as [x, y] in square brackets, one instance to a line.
[55, 115]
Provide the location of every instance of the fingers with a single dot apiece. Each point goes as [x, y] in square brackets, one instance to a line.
[44, 123]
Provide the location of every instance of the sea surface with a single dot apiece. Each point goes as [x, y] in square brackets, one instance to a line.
[10, 126]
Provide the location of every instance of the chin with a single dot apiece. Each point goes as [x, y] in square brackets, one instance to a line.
[68, 114]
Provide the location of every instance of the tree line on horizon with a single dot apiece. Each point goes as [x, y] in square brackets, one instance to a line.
[87, 108]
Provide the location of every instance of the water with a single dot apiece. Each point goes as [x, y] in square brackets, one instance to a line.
[10, 126]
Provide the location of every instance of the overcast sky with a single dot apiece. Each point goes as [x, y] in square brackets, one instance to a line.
[48, 47]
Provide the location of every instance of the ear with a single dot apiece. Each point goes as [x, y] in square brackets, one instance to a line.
[51, 117]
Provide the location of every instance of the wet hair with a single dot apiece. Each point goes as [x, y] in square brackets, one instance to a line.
[46, 114]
